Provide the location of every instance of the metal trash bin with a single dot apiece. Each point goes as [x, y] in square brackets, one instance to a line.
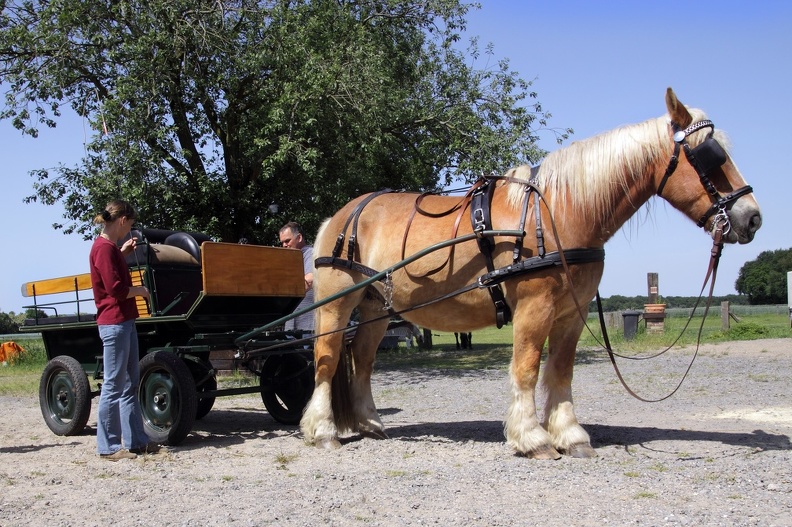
[630, 317]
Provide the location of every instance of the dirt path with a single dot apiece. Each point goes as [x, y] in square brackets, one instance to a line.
[717, 453]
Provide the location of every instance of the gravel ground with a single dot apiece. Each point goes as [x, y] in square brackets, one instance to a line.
[716, 453]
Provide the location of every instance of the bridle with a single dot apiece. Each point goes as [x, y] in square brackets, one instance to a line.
[706, 157]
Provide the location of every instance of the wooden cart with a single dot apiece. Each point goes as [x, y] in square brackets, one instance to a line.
[203, 298]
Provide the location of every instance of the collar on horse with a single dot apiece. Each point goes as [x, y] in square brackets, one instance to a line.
[706, 157]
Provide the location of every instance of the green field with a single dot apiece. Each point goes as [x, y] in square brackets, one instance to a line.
[491, 347]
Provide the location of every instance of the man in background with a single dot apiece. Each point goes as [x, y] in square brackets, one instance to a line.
[292, 235]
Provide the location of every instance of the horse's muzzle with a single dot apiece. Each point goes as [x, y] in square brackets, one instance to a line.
[745, 221]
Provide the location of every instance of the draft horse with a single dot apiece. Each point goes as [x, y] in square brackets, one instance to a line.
[590, 188]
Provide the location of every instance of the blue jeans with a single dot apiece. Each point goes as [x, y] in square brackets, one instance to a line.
[119, 414]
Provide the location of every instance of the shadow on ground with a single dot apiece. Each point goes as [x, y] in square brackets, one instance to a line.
[226, 427]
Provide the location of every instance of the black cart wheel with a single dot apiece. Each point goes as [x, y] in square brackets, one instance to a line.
[65, 396]
[287, 382]
[167, 397]
[205, 405]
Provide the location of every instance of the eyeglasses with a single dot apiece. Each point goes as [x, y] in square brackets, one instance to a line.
[287, 241]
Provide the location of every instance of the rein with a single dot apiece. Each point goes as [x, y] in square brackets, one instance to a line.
[461, 205]
[707, 156]
[712, 271]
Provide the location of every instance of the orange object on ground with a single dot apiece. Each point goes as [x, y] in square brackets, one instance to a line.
[9, 350]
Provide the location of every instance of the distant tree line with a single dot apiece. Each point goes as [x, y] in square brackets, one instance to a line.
[10, 322]
[623, 303]
[764, 280]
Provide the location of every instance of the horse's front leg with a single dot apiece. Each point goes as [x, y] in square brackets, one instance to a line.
[560, 420]
[523, 431]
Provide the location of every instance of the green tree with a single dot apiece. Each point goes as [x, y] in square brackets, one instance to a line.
[764, 280]
[10, 322]
[205, 112]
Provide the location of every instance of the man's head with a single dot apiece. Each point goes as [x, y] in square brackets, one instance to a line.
[291, 235]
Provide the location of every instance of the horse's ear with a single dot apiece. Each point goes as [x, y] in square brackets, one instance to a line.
[677, 110]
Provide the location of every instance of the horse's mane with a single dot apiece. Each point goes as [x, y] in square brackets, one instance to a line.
[589, 172]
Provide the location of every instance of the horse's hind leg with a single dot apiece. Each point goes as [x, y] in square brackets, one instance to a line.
[318, 423]
[364, 350]
[559, 416]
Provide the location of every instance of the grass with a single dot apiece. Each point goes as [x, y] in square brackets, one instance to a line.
[750, 327]
[22, 374]
[492, 349]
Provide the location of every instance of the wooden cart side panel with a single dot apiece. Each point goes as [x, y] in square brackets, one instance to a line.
[251, 270]
[65, 284]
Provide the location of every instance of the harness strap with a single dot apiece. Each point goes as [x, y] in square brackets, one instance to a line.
[719, 202]
[480, 217]
[518, 243]
[536, 263]
[461, 205]
[355, 216]
[722, 202]
[672, 164]
[344, 263]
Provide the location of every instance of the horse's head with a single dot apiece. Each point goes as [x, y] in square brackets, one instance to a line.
[707, 186]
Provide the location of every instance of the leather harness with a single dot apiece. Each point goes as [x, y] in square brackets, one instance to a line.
[479, 199]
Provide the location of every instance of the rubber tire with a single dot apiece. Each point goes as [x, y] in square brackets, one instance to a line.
[287, 383]
[167, 397]
[65, 396]
[203, 406]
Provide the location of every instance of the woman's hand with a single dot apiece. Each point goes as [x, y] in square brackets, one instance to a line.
[138, 290]
[129, 246]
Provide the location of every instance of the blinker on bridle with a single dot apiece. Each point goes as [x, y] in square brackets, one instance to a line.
[706, 157]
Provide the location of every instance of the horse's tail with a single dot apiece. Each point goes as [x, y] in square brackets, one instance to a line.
[341, 393]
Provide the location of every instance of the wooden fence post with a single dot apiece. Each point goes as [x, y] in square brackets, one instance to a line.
[725, 315]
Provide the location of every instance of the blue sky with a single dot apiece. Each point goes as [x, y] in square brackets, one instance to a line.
[595, 66]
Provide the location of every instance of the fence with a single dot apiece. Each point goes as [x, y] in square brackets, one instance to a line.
[614, 319]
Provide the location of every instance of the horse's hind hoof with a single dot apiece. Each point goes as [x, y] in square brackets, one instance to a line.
[374, 434]
[544, 452]
[328, 444]
[582, 450]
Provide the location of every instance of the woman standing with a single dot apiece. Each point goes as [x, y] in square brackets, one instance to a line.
[119, 415]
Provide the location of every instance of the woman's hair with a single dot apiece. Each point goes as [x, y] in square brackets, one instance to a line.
[115, 209]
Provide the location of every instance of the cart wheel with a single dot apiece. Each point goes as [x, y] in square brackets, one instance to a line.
[204, 405]
[167, 397]
[287, 382]
[65, 396]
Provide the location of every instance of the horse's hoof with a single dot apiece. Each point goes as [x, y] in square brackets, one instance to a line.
[543, 452]
[374, 434]
[582, 450]
[328, 444]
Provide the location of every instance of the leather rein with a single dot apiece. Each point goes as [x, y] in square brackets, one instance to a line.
[707, 156]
